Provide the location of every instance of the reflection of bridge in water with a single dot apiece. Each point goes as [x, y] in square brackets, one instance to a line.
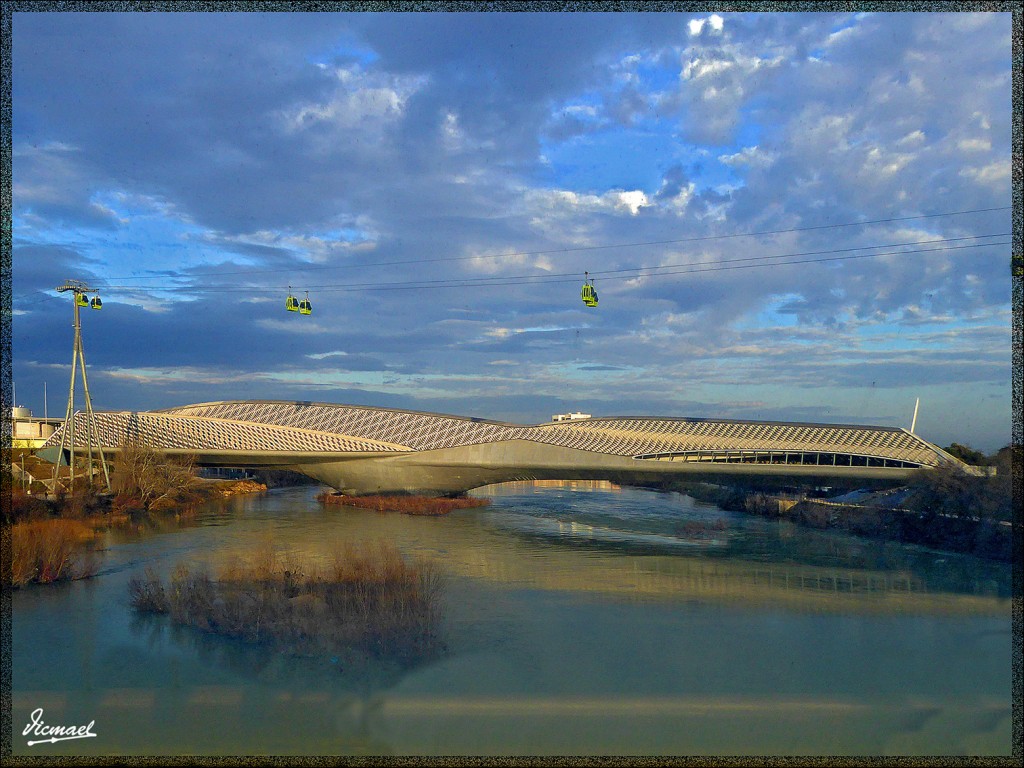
[361, 450]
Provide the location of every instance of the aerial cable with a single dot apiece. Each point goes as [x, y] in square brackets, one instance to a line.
[696, 239]
[548, 275]
[649, 271]
[646, 271]
[700, 268]
[535, 279]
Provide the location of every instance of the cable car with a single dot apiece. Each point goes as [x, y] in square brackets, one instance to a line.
[305, 308]
[291, 303]
[81, 300]
[96, 303]
[588, 293]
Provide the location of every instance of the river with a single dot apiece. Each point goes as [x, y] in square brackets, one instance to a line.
[579, 619]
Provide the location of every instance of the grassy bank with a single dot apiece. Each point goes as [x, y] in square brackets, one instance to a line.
[367, 601]
[51, 537]
[47, 551]
[943, 508]
[407, 505]
[973, 535]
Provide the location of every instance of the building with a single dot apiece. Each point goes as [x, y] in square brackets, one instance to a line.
[570, 416]
[28, 431]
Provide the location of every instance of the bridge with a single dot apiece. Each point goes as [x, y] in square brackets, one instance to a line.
[361, 450]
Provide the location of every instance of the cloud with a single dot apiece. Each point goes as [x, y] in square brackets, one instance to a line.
[995, 175]
[714, 22]
[751, 157]
[210, 161]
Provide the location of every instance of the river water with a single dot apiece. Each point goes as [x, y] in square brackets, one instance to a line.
[579, 618]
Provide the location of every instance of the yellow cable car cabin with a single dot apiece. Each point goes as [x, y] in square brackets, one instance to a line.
[81, 300]
[589, 295]
[96, 303]
[305, 308]
[291, 304]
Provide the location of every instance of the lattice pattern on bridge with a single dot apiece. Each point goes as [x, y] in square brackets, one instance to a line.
[419, 431]
[651, 437]
[640, 437]
[162, 431]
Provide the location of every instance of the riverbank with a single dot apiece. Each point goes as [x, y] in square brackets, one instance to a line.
[52, 538]
[943, 509]
[986, 538]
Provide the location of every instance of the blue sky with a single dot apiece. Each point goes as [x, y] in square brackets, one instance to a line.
[439, 183]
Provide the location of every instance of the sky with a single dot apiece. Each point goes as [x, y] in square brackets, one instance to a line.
[787, 216]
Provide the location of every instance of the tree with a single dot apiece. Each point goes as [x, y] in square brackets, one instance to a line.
[154, 478]
[966, 454]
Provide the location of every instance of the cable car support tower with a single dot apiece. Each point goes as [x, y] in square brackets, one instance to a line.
[80, 292]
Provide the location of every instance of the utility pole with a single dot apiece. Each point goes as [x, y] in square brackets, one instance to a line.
[80, 292]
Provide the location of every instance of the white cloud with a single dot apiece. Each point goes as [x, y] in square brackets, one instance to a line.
[995, 175]
[912, 139]
[884, 163]
[751, 157]
[357, 101]
[561, 202]
[299, 325]
[714, 21]
[697, 68]
[633, 201]
[974, 145]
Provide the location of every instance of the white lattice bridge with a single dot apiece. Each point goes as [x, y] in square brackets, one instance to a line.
[362, 450]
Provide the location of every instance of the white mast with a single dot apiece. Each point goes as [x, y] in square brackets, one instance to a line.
[914, 422]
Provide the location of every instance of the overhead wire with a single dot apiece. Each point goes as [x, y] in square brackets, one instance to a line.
[619, 274]
[699, 268]
[615, 274]
[574, 249]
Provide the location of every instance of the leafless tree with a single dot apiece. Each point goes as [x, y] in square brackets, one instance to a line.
[153, 477]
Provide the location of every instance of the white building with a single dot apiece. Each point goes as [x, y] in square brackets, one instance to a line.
[570, 416]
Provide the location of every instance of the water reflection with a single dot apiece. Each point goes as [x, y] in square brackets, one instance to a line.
[594, 537]
[580, 619]
[658, 543]
[361, 675]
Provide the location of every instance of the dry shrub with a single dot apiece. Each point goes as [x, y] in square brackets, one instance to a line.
[368, 599]
[126, 504]
[148, 595]
[159, 481]
[45, 551]
[25, 506]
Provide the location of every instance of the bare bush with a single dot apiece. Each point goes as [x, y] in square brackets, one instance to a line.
[369, 599]
[45, 551]
[157, 480]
